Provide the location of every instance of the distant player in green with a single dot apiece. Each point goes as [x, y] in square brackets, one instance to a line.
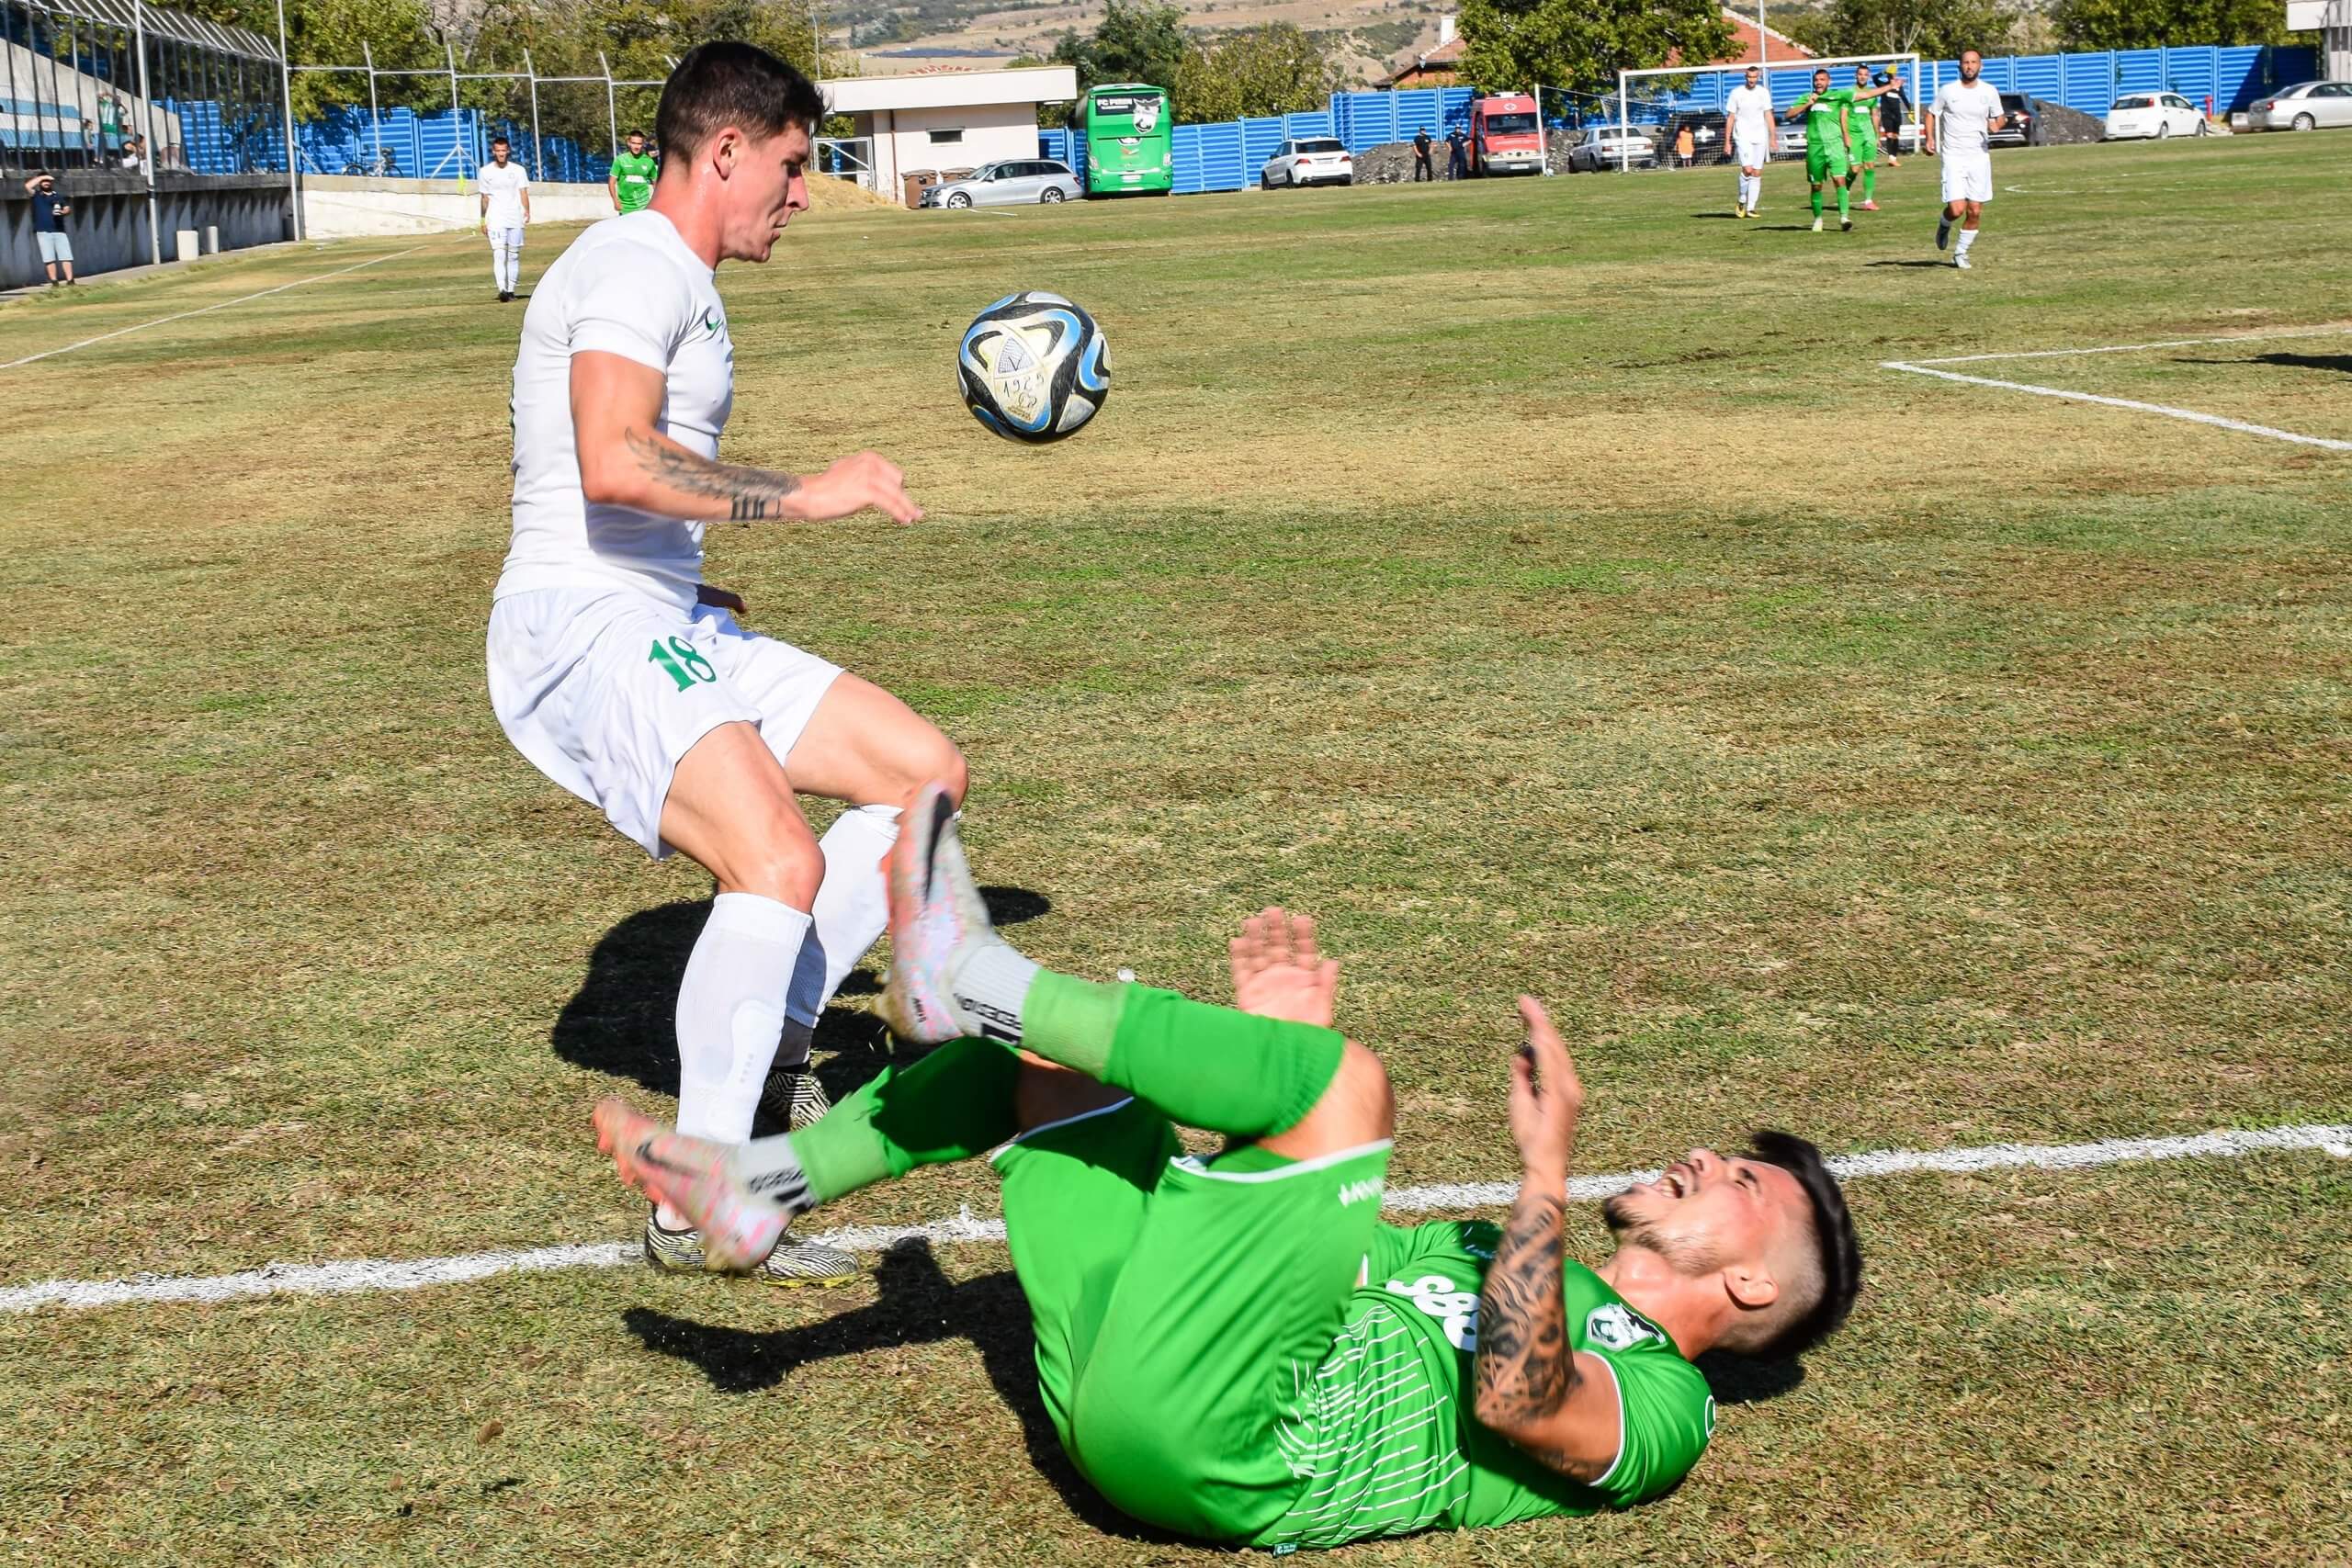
[630, 182]
[1861, 120]
[1237, 1347]
[1829, 143]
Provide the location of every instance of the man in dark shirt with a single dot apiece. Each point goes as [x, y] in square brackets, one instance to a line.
[1421, 170]
[1457, 165]
[49, 226]
[1890, 119]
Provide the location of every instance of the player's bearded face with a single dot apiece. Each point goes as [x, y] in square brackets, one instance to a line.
[1693, 1215]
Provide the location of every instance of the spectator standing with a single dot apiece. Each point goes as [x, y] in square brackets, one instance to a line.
[1457, 163]
[1421, 169]
[50, 211]
[1684, 148]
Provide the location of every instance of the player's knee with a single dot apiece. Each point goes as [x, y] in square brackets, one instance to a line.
[777, 858]
[946, 764]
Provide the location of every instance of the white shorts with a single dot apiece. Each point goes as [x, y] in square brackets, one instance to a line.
[606, 691]
[1968, 176]
[1751, 151]
[509, 239]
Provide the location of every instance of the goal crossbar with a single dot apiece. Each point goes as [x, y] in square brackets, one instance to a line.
[1913, 78]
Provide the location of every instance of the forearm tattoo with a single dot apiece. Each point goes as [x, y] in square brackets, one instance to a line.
[1526, 1369]
[754, 494]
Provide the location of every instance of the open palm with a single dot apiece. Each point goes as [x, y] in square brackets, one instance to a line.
[1278, 973]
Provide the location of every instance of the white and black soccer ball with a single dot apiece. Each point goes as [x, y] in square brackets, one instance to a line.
[1034, 367]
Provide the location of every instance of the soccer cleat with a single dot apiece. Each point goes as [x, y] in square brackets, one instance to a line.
[1959, 260]
[794, 1097]
[1869, 206]
[738, 1228]
[1845, 225]
[1739, 212]
[789, 1264]
[1943, 232]
[1817, 225]
[937, 924]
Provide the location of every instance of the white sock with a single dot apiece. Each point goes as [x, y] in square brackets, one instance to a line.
[851, 910]
[730, 1013]
[1967, 238]
[498, 263]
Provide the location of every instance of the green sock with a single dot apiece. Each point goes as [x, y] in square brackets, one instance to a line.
[955, 1103]
[1816, 201]
[1844, 195]
[1869, 184]
[1206, 1066]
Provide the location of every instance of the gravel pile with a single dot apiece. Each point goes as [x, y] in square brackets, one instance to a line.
[2055, 125]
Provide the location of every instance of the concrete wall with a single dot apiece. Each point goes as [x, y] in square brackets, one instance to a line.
[338, 207]
[109, 224]
[902, 142]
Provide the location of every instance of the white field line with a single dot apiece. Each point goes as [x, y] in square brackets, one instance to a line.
[383, 1274]
[2135, 347]
[206, 309]
[2190, 414]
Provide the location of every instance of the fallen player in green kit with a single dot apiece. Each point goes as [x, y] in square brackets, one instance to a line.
[1237, 1347]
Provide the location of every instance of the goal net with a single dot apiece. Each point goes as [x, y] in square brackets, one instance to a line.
[1661, 104]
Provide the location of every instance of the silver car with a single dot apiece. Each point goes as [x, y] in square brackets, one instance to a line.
[2306, 105]
[1016, 182]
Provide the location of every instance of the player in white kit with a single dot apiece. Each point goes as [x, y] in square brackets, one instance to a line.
[627, 680]
[505, 209]
[1959, 130]
[1747, 112]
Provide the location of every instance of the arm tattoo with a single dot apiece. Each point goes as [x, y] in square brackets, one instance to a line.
[1526, 1369]
[754, 494]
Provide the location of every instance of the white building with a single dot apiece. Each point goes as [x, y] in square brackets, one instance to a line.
[945, 120]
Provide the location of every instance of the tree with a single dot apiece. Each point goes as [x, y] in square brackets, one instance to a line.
[2167, 24]
[1275, 69]
[1936, 29]
[1135, 41]
[1582, 44]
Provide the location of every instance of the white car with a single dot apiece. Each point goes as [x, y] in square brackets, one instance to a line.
[1316, 161]
[1016, 182]
[2152, 116]
[1612, 147]
[2306, 105]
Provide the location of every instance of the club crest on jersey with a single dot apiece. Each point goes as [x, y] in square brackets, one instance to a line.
[1616, 1327]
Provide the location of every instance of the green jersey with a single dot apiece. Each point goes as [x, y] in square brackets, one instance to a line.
[633, 179]
[1382, 1429]
[1821, 120]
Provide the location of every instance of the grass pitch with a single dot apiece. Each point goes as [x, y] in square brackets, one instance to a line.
[1541, 582]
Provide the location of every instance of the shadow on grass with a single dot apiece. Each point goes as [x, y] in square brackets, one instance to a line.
[2339, 363]
[622, 1020]
[1740, 1380]
[1915, 260]
[916, 1304]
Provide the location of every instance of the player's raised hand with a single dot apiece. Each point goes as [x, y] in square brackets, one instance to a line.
[1546, 1097]
[855, 483]
[1279, 972]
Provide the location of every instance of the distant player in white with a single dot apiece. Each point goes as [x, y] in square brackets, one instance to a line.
[1748, 111]
[1959, 130]
[505, 208]
[627, 680]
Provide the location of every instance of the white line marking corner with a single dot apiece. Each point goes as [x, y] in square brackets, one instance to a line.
[1927, 368]
[367, 1275]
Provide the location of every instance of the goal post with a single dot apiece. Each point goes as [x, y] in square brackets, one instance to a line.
[1668, 90]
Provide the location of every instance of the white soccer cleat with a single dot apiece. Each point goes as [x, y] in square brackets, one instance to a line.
[697, 1178]
[937, 923]
[1959, 260]
[1817, 225]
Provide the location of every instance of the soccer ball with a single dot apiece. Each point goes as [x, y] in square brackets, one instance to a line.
[1034, 367]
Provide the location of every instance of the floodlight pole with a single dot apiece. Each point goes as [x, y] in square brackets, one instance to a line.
[457, 112]
[612, 113]
[1763, 39]
[147, 119]
[374, 116]
[286, 101]
[539, 156]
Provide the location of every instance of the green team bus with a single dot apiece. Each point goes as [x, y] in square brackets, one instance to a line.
[1128, 148]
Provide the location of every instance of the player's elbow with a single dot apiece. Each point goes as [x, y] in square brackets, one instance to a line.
[1506, 1416]
[604, 478]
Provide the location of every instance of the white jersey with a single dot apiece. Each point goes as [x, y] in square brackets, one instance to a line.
[1965, 113]
[505, 187]
[1749, 109]
[630, 287]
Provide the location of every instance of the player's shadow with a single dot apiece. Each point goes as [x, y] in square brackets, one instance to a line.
[1915, 261]
[916, 1304]
[622, 1020]
[1741, 1379]
[2339, 363]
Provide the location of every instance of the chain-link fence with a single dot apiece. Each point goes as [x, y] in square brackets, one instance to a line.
[120, 85]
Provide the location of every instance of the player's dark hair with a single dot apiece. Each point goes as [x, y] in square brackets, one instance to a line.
[1833, 1238]
[742, 85]
[500, 141]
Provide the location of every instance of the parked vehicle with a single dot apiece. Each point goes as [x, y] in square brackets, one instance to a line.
[2152, 115]
[1611, 147]
[2017, 123]
[1710, 141]
[2306, 105]
[1505, 136]
[1014, 183]
[1788, 139]
[1315, 161]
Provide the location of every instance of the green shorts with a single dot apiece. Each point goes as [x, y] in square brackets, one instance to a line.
[1181, 1305]
[1824, 163]
[1865, 151]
